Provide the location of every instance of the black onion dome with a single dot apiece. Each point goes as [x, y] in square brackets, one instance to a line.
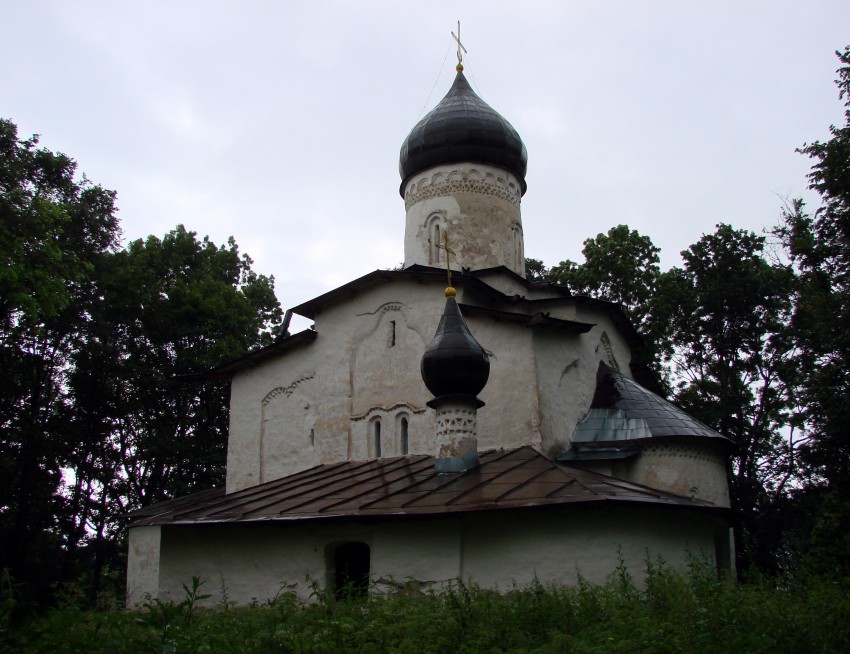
[462, 127]
[454, 362]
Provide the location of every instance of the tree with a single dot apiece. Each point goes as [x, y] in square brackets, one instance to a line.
[621, 266]
[733, 363]
[141, 434]
[819, 246]
[536, 271]
[55, 228]
[178, 306]
[94, 417]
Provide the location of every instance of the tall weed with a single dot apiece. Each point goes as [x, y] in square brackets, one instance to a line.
[665, 612]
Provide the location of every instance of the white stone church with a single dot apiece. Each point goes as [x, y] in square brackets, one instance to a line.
[345, 472]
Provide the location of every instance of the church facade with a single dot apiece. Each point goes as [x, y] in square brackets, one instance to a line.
[345, 472]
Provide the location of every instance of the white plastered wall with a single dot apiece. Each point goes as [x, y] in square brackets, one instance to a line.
[143, 564]
[566, 374]
[557, 546]
[246, 563]
[313, 405]
[688, 466]
[279, 410]
[317, 404]
[511, 415]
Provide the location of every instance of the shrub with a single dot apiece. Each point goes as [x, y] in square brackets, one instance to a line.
[667, 612]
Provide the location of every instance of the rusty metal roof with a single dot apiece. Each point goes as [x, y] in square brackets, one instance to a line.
[409, 486]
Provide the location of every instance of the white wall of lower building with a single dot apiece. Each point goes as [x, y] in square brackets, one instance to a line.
[558, 546]
[143, 558]
[247, 563]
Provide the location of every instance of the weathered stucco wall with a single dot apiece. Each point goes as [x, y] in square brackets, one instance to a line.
[557, 546]
[277, 410]
[249, 563]
[480, 207]
[566, 375]
[143, 564]
[314, 404]
[511, 415]
[320, 403]
[690, 467]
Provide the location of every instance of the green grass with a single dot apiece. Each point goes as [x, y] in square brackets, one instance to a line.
[667, 612]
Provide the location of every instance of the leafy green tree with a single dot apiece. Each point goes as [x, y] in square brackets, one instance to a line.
[170, 308]
[96, 417]
[536, 270]
[733, 361]
[181, 306]
[621, 266]
[819, 246]
[717, 332]
[141, 433]
[55, 228]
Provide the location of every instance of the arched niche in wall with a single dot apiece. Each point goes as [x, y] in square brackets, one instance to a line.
[376, 445]
[287, 436]
[404, 429]
[518, 247]
[435, 226]
[606, 351]
[386, 353]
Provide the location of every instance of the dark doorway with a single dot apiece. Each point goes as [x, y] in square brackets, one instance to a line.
[350, 570]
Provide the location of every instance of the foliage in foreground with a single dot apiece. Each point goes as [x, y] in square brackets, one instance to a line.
[95, 417]
[668, 613]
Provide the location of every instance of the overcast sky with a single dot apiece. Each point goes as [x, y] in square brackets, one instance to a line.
[280, 123]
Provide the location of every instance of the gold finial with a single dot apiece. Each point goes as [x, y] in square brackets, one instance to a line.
[450, 291]
[460, 47]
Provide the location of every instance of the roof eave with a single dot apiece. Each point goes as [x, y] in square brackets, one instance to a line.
[229, 368]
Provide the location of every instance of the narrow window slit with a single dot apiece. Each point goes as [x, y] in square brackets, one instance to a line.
[377, 436]
[405, 440]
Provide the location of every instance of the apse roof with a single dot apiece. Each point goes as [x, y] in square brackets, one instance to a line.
[409, 486]
[623, 410]
[462, 127]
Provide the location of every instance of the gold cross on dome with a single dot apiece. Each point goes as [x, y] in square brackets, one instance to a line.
[459, 48]
[445, 246]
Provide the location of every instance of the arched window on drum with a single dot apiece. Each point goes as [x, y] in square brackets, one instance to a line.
[403, 431]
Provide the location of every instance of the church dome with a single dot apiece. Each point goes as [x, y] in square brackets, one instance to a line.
[462, 128]
[454, 363]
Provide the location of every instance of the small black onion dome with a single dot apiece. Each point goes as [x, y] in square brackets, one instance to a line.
[462, 127]
[454, 362]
